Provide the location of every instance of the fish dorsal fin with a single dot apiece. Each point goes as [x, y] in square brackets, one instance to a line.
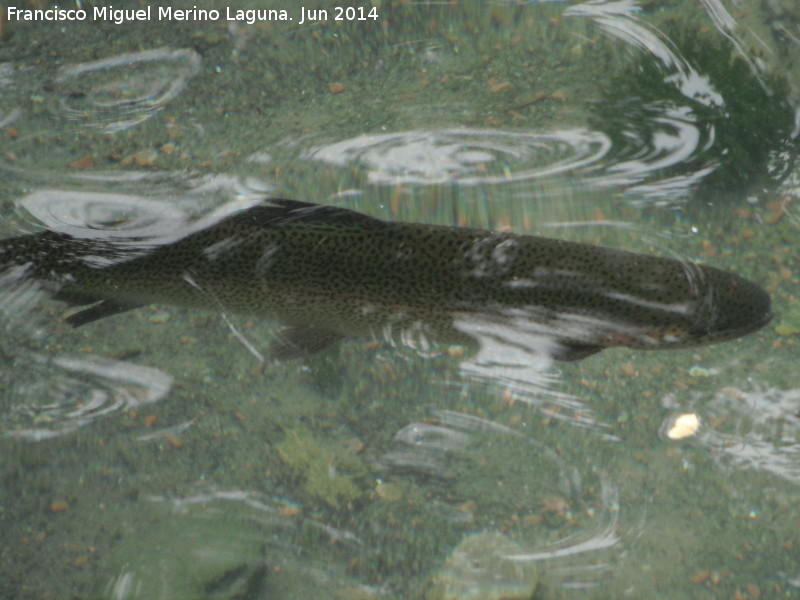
[280, 212]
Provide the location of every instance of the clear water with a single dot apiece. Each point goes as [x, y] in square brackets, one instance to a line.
[152, 455]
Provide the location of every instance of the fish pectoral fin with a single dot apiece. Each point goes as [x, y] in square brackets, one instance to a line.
[571, 351]
[104, 308]
[300, 341]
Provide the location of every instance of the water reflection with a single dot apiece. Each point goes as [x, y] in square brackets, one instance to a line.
[620, 20]
[694, 97]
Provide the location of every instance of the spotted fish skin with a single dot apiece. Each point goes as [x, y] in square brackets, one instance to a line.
[328, 272]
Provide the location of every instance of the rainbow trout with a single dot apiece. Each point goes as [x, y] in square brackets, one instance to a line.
[327, 273]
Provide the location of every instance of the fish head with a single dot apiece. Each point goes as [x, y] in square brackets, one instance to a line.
[731, 307]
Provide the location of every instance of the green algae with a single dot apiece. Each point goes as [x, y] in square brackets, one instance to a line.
[328, 471]
[790, 320]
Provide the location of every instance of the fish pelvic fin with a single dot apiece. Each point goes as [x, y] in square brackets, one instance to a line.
[279, 212]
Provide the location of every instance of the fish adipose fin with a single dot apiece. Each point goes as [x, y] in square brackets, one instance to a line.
[278, 212]
[298, 342]
[100, 310]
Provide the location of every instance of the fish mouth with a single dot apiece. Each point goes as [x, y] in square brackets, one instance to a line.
[766, 313]
[766, 318]
[759, 314]
[733, 307]
[763, 322]
[754, 326]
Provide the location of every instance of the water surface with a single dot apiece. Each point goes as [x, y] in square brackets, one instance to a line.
[155, 455]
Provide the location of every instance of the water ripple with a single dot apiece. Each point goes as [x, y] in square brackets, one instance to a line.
[102, 215]
[137, 219]
[618, 19]
[466, 156]
[61, 394]
[459, 451]
[756, 430]
[118, 92]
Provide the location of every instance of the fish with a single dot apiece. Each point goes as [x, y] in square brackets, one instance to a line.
[326, 273]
